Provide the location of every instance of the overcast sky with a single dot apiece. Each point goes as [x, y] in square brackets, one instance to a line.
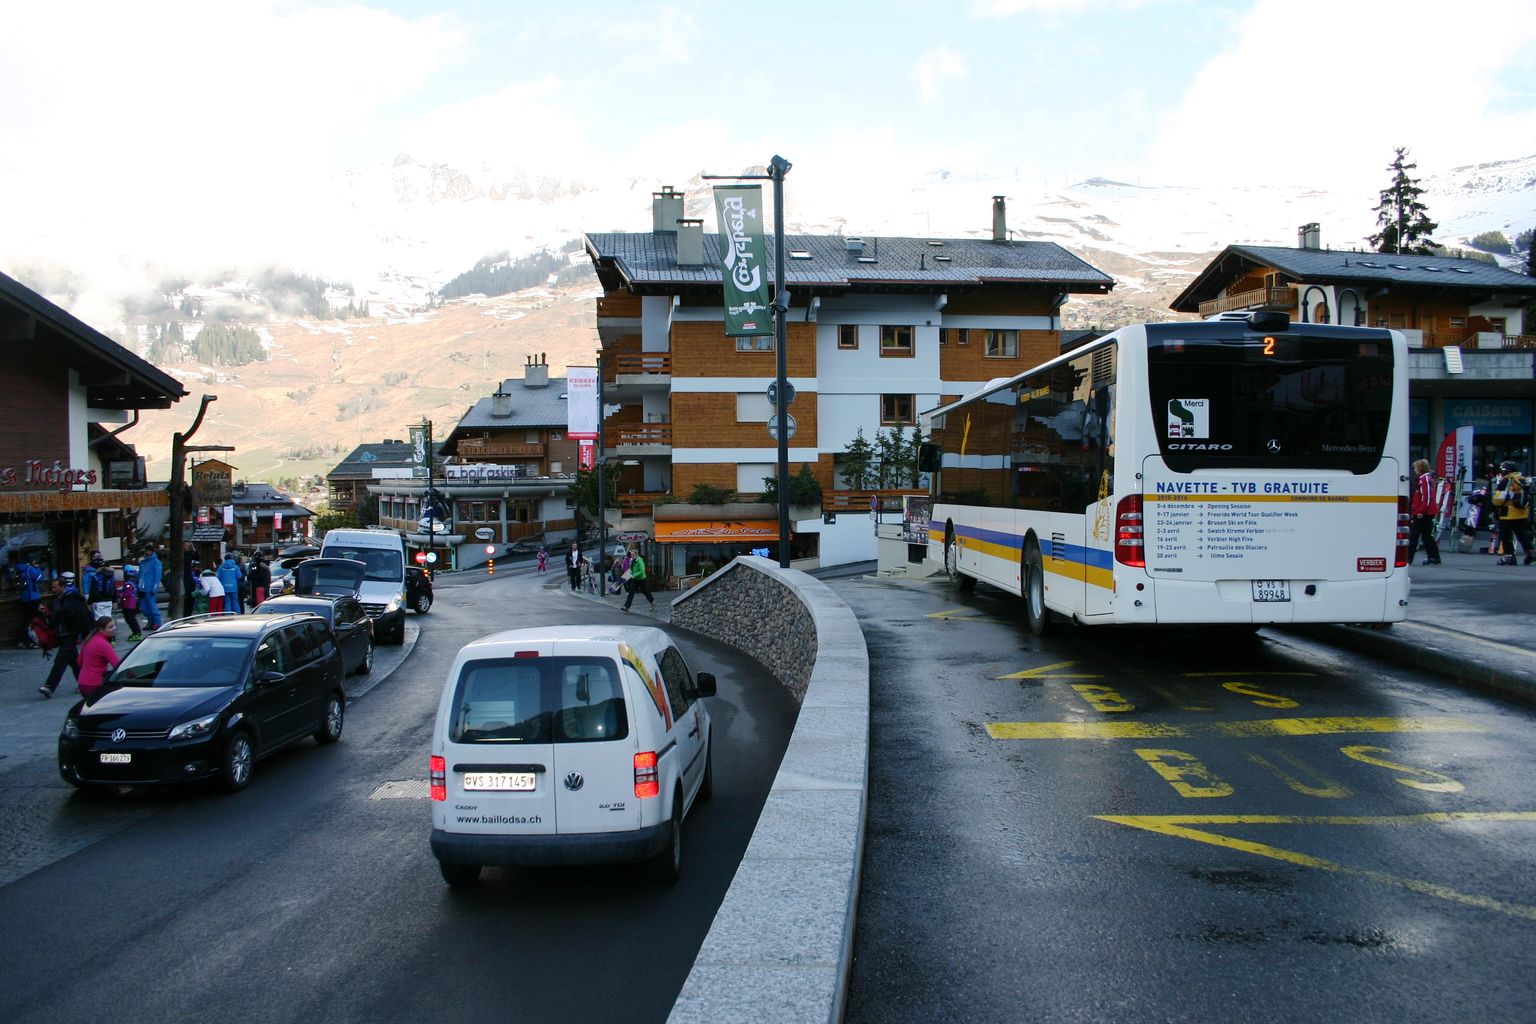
[168, 126]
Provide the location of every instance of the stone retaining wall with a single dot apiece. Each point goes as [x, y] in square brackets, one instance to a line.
[755, 612]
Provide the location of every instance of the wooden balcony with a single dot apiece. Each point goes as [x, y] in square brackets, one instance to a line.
[1258, 298]
[642, 363]
[859, 501]
[636, 504]
[619, 304]
[1471, 341]
[630, 434]
[474, 450]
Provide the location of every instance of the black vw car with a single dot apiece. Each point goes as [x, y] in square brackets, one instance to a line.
[328, 587]
[206, 697]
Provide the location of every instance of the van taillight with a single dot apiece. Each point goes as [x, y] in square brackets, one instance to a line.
[1130, 536]
[437, 777]
[1403, 532]
[647, 782]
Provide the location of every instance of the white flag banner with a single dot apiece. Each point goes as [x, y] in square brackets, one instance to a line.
[229, 515]
[581, 402]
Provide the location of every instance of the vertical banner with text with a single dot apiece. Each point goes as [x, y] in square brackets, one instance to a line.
[743, 255]
[419, 452]
[586, 456]
[581, 403]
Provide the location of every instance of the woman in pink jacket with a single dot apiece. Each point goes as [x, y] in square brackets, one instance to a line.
[97, 658]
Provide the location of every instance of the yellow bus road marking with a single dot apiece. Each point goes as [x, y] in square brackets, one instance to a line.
[1174, 825]
[1256, 728]
[962, 615]
[1050, 672]
[1229, 675]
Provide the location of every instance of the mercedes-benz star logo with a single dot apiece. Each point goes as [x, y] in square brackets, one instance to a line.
[1273, 446]
[118, 735]
[574, 781]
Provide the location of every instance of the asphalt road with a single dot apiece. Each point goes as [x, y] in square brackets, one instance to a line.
[313, 894]
[1149, 826]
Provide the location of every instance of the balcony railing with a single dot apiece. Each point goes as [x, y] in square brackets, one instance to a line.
[1258, 298]
[859, 501]
[1441, 339]
[642, 362]
[639, 433]
[637, 504]
[472, 450]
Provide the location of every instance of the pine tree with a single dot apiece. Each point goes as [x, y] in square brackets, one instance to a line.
[858, 456]
[1403, 219]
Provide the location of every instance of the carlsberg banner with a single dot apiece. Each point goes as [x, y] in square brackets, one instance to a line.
[743, 255]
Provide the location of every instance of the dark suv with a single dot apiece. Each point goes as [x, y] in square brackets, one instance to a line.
[418, 590]
[206, 697]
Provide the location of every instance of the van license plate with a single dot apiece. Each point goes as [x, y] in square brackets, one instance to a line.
[116, 758]
[1271, 590]
[504, 781]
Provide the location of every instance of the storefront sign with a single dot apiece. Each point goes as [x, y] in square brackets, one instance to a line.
[79, 501]
[485, 533]
[482, 471]
[37, 473]
[714, 531]
[1498, 416]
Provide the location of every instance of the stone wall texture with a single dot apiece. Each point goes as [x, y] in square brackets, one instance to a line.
[755, 613]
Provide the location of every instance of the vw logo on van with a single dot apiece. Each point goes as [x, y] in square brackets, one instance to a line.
[574, 781]
[118, 735]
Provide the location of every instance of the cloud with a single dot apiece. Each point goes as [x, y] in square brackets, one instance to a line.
[937, 67]
[1010, 8]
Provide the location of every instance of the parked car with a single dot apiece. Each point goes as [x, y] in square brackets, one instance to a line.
[383, 592]
[558, 745]
[207, 697]
[350, 625]
[418, 589]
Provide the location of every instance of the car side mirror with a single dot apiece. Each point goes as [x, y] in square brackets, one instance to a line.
[706, 683]
[270, 678]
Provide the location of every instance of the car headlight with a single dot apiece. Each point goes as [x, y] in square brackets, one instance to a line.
[395, 603]
[71, 728]
[195, 729]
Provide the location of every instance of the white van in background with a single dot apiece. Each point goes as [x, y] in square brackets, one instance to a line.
[568, 745]
[383, 589]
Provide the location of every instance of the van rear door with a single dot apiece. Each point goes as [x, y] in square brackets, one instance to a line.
[595, 744]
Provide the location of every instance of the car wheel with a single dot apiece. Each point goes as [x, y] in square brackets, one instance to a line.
[952, 563]
[459, 875]
[423, 604]
[1035, 612]
[367, 665]
[666, 866]
[707, 787]
[397, 635]
[335, 719]
[238, 761]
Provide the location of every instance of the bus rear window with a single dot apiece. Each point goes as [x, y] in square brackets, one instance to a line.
[1294, 399]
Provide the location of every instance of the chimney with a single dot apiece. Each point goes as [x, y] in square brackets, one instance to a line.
[854, 243]
[536, 373]
[666, 210]
[1309, 236]
[999, 219]
[501, 404]
[690, 243]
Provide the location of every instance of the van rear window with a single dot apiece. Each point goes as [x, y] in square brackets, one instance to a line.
[538, 700]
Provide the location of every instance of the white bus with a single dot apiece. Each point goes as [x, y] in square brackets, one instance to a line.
[1238, 470]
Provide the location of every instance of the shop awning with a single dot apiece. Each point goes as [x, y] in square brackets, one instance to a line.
[709, 531]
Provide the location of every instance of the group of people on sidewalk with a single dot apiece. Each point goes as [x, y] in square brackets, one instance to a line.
[626, 572]
[1504, 506]
[79, 624]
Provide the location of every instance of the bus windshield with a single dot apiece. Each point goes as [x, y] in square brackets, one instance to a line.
[1235, 398]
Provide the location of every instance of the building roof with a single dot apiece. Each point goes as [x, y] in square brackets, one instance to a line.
[530, 407]
[365, 457]
[1349, 267]
[113, 377]
[641, 259]
[264, 499]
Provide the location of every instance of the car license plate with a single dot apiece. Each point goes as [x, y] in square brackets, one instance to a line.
[1271, 590]
[116, 758]
[514, 781]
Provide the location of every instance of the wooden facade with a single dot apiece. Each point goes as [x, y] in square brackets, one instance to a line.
[708, 420]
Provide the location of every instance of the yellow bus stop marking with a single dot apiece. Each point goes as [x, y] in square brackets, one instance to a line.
[1051, 671]
[1099, 730]
[1175, 825]
[962, 615]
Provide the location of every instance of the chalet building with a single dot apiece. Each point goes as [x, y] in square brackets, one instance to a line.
[70, 482]
[348, 482]
[266, 519]
[1472, 358]
[879, 330]
[501, 477]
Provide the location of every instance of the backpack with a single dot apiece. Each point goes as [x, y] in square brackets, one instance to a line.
[40, 633]
[102, 587]
[1519, 498]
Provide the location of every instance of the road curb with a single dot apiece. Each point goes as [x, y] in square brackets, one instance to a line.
[1461, 657]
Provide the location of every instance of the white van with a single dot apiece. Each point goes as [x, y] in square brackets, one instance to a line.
[383, 589]
[568, 745]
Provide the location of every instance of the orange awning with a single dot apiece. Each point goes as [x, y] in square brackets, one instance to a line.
[710, 531]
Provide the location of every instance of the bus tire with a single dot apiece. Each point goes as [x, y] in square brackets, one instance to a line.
[952, 562]
[1036, 616]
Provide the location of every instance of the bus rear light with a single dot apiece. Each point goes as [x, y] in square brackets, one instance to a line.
[437, 777]
[1403, 532]
[1130, 535]
[647, 781]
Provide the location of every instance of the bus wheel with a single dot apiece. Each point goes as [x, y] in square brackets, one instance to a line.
[1034, 591]
[952, 562]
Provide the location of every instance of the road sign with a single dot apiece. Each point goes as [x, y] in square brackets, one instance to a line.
[773, 394]
[431, 557]
[490, 549]
[773, 426]
[421, 558]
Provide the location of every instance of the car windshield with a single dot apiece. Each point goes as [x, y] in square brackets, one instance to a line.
[185, 661]
[382, 566]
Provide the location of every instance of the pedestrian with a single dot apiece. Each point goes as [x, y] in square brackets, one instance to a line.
[213, 588]
[639, 582]
[29, 591]
[260, 578]
[231, 576]
[100, 586]
[573, 567]
[1424, 509]
[71, 620]
[543, 560]
[128, 601]
[151, 572]
[1511, 496]
[97, 658]
[190, 588]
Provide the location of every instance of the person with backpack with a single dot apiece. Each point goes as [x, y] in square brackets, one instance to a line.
[1428, 501]
[638, 581]
[100, 586]
[71, 620]
[260, 579]
[151, 572]
[231, 576]
[29, 591]
[128, 601]
[1511, 496]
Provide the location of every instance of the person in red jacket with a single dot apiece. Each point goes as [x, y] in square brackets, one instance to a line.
[1424, 508]
[98, 658]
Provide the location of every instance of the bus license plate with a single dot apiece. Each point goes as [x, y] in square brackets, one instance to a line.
[519, 782]
[1271, 590]
[116, 758]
